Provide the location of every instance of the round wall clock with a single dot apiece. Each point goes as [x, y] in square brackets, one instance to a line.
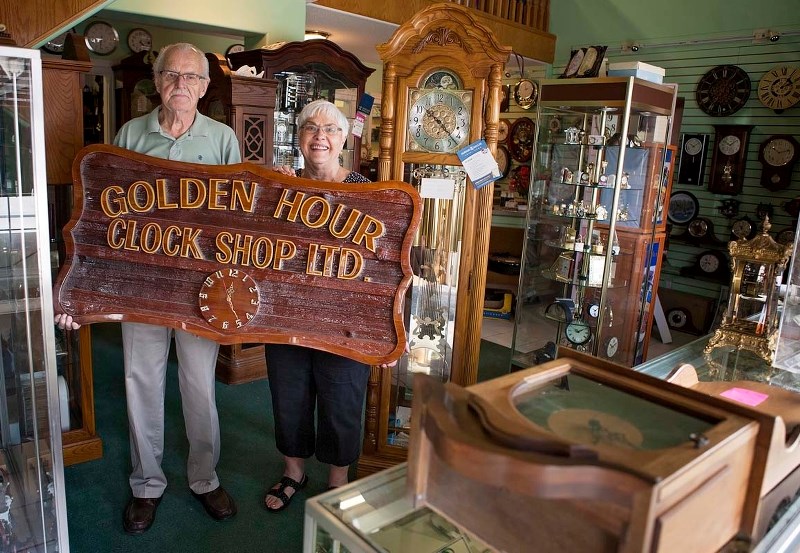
[233, 48]
[779, 88]
[778, 154]
[56, 45]
[439, 119]
[526, 93]
[503, 160]
[520, 142]
[723, 90]
[101, 37]
[503, 129]
[612, 347]
[228, 299]
[140, 40]
[683, 207]
[743, 228]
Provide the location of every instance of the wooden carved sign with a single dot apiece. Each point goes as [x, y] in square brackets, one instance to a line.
[238, 253]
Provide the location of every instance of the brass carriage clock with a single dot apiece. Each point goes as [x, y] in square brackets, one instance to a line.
[442, 79]
[751, 318]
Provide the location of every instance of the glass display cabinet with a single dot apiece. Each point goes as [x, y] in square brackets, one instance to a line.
[596, 225]
[32, 504]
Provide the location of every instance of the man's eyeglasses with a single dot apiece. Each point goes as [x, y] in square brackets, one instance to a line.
[189, 78]
[312, 129]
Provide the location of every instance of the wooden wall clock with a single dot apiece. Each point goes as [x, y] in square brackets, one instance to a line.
[442, 89]
[779, 88]
[729, 159]
[520, 139]
[723, 90]
[778, 154]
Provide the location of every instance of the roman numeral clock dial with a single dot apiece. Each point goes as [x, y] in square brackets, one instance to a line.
[723, 90]
[779, 88]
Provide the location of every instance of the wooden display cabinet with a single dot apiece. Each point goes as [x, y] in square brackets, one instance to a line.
[63, 119]
[325, 71]
[601, 176]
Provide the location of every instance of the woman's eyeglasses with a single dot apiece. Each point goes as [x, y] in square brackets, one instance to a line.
[312, 129]
[189, 78]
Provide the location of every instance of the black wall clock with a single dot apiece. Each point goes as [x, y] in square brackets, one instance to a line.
[683, 207]
[693, 158]
[723, 90]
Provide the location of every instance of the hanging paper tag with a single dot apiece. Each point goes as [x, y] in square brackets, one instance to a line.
[363, 111]
[478, 162]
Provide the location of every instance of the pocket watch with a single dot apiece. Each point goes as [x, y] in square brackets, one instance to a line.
[578, 332]
[101, 37]
[779, 88]
[438, 120]
[526, 93]
[228, 299]
[140, 40]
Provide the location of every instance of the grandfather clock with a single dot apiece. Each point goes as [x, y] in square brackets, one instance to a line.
[442, 74]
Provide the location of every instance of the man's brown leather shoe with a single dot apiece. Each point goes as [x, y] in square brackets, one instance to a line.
[140, 514]
[217, 503]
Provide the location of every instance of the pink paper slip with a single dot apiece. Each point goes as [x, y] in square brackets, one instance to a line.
[742, 395]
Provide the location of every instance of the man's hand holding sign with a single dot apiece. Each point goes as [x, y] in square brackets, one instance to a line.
[238, 253]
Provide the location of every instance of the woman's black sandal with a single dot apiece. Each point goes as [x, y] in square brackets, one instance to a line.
[280, 492]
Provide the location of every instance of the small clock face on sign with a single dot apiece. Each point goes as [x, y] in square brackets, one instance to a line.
[228, 299]
[723, 90]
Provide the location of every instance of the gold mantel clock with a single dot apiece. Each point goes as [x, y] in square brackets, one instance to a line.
[751, 319]
[442, 80]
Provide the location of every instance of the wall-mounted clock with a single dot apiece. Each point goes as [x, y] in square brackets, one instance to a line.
[711, 264]
[778, 154]
[779, 88]
[743, 229]
[503, 128]
[520, 140]
[693, 158]
[723, 90]
[729, 159]
[233, 48]
[439, 119]
[140, 40]
[56, 45]
[503, 160]
[683, 207]
[101, 37]
[526, 92]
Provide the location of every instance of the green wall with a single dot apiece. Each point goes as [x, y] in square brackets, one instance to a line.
[612, 22]
[259, 21]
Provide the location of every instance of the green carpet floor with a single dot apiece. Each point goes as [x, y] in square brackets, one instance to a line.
[97, 491]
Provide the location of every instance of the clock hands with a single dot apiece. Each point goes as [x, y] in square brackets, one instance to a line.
[229, 290]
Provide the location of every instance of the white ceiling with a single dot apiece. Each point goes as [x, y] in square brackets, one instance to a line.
[354, 33]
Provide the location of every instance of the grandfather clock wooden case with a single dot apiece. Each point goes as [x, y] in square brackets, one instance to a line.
[441, 91]
[63, 118]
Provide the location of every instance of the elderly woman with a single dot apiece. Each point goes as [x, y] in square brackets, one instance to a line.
[303, 381]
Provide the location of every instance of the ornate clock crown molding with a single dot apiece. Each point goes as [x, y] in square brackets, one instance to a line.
[444, 25]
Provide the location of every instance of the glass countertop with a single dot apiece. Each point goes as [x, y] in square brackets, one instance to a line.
[721, 364]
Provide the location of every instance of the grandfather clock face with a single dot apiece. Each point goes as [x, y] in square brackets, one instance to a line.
[439, 119]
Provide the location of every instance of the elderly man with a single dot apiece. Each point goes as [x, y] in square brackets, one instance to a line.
[177, 131]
